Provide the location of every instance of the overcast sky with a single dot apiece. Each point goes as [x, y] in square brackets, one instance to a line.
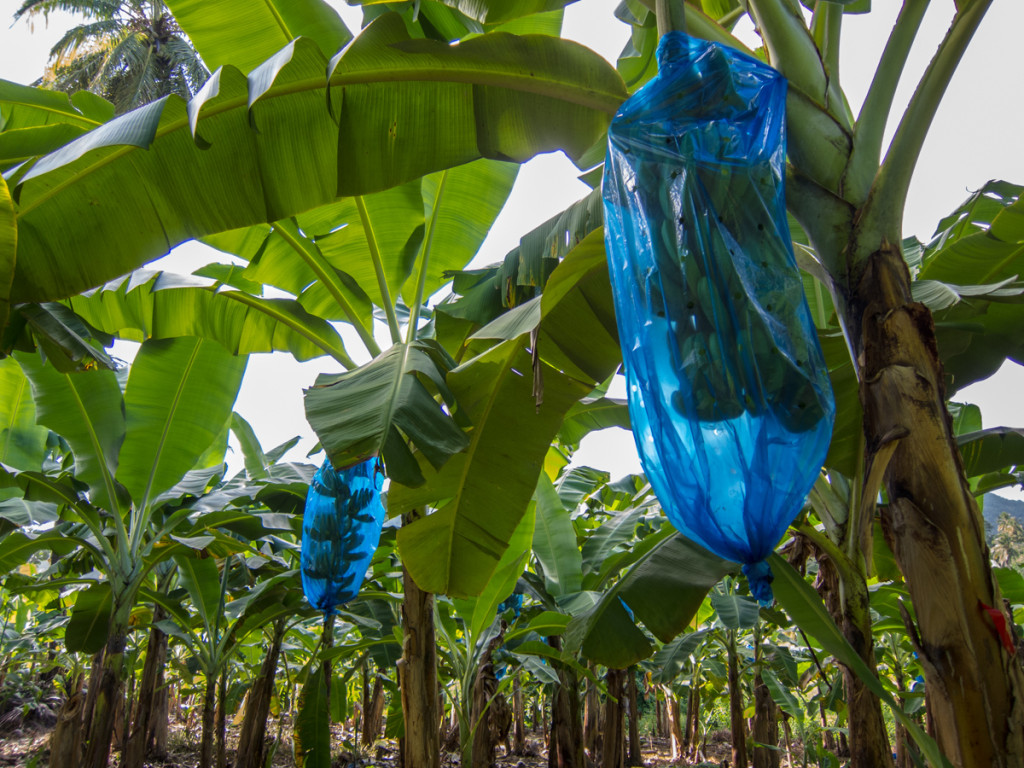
[977, 136]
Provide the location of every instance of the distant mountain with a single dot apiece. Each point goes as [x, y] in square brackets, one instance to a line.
[994, 506]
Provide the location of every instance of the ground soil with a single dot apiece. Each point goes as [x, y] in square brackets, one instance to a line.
[28, 746]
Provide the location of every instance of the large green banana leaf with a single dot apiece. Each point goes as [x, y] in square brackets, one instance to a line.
[87, 410]
[399, 109]
[35, 121]
[483, 493]
[180, 392]
[159, 305]
[244, 33]
[554, 543]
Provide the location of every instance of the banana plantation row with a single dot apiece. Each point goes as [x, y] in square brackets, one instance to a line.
[348, 179]
[218, 630]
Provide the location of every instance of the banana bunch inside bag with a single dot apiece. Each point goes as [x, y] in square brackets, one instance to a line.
[341, 528]
[729, 395]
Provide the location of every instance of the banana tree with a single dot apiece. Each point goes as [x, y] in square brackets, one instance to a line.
[220, 624]
[136, 453]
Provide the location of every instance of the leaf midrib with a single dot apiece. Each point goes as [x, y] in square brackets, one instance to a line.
[171, 413]
[474, 444]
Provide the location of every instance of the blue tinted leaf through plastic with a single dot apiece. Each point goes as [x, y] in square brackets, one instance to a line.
[340, 532]
[729, 395]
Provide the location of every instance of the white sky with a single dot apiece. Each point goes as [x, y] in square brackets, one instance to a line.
[977, 136]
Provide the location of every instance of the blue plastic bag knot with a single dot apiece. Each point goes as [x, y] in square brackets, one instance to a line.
[759, 577]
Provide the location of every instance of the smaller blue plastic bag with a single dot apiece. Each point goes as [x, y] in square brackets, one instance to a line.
[729, 395]
[340, 532]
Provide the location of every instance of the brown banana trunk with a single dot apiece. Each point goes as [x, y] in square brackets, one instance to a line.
[679, 744]
[485, 686]
[976, 685]
[252, 734]
[736, 725]
[766, 727]
[373, 718]
[100, 726]
[156, 653]
[518, 718]
[160, 725]
[592, 721]
[635, 756]
[220, 759]
[209, 711]
[66, 739]
[847, 603]
[417, 675]
[565, 740]
[614, 749]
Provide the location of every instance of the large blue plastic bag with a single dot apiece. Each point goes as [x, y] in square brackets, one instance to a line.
[340, 532]
[728, 391]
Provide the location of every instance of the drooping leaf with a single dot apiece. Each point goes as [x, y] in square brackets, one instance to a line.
[16, 547]
[498, 11]
[87, 410]
[1011, 584]
[22, 441]
[460, 205]
[781, 695]
[63, 338]
[90, 619]
[312, 727]
[161, 305]
[578, 331]
[462, 111]
[666, 588]
[990, 450]
[613, 534]
[976, 246]
[672, 657]
[735, 611]
[8, 250]
[483, 493]
[581, 483]
[23, 106]
[592, 415]
[174, 410]
[244, 34]
[274, 150]
[606, 634]
[374, 409]
[23, 512]
[663, 587]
